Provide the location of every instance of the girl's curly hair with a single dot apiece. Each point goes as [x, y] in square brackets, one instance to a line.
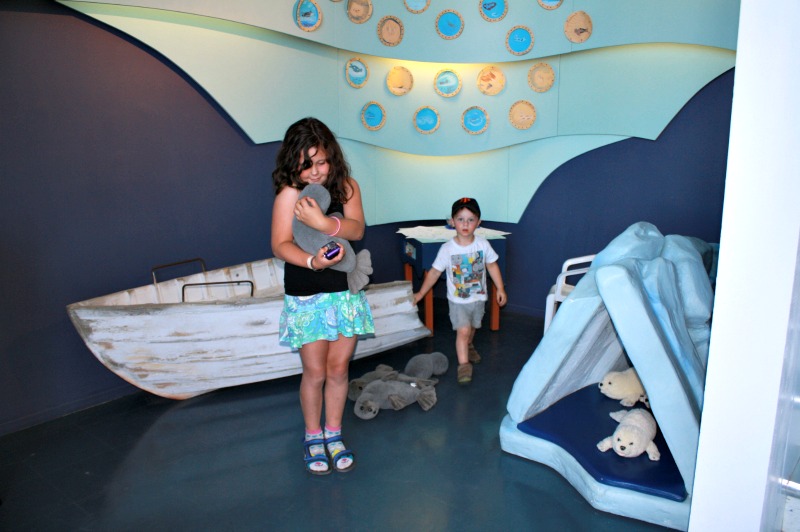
[301, 136]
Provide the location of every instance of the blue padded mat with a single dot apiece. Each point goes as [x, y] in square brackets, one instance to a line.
[578, 421]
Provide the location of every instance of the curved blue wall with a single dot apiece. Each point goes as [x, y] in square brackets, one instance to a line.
[114, 161]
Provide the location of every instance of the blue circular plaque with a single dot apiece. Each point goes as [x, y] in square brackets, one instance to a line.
[475, 120]
[373, 116]
[550, 4]
[493, 10]
[426, 120]
[449, 24]
[307, 15]
[519, 40]
[356, 72]
[447, 83]
[417, 6]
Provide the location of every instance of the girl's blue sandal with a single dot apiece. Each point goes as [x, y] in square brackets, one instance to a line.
[311, 459]
[338, 455]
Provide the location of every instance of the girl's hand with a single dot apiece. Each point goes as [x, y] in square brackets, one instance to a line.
[321, 262]
[307, 211]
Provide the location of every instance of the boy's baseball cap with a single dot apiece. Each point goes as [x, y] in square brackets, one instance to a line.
[466, 203]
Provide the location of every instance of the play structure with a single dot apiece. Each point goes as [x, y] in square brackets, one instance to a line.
[645, 302]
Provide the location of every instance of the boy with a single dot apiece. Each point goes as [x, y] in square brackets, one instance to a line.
[466, 258]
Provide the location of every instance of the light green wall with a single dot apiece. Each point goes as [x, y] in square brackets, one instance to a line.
[642, 63]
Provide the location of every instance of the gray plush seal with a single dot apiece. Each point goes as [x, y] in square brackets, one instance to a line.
[357, 266]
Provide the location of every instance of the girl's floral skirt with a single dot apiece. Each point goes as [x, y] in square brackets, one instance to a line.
[325, 316]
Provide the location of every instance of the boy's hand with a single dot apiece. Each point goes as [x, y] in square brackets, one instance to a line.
[502, 298]
[417, 297]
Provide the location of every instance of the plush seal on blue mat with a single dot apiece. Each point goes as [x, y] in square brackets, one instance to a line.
[633, 436]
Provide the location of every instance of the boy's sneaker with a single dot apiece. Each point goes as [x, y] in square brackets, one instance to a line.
[473, 355]
[465, 373]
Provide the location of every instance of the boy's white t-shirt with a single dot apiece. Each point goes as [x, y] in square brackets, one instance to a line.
[465, 267]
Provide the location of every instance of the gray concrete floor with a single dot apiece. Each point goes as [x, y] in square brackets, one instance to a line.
[232, 460]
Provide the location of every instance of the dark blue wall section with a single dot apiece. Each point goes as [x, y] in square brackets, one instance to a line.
[112, 162]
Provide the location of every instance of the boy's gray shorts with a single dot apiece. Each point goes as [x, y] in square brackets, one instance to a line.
[463, 314]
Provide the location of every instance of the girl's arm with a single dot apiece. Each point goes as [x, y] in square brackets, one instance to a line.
[353, 224]
[350, 228]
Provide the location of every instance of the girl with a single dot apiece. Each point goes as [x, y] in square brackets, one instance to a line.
[320, 316]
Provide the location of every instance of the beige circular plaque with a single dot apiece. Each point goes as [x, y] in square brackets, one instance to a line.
[491, 80]
[522, 114]
[359, 11]
[399, 81]
[390, 30]
[541, 77]
[578, 27]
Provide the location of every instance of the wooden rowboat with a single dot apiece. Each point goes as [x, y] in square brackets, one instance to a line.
[187, 336]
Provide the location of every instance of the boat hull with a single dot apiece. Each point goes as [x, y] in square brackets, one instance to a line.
[181, 350]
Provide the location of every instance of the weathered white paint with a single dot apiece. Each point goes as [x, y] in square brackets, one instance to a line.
[220, 336]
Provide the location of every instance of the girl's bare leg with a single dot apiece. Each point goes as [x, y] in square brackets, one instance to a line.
[336, 381]
[314, 357]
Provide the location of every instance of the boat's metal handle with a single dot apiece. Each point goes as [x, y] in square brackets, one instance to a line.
[170, 265]
[212, 283]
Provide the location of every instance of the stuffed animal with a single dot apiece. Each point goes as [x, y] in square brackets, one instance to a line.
[419, 369]
[386, 388]
[381, 372]
[624, 385]
[426, 365]
[357, 266]
[380, 394]
[633, 436]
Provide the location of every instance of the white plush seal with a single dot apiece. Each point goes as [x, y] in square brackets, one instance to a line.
[623, 385]
[633, 436]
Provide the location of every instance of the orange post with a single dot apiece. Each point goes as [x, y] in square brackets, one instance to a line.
[494, 308]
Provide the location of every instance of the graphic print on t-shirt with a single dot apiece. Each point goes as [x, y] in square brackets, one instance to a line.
[468, 274]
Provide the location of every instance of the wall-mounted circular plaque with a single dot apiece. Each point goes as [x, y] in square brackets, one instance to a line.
[522, 114]
[550, 4]
[417, 6]
[399, 81]
[519, 40]
[447, 83]
[373, 116]
[475, 120]
[578, 27]
[426, 120]
[390, 30]
[541, 77]
[307, 15]
[449, 24]
[356, 72]
[491, 80]
[493, 11]
[359, 11]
